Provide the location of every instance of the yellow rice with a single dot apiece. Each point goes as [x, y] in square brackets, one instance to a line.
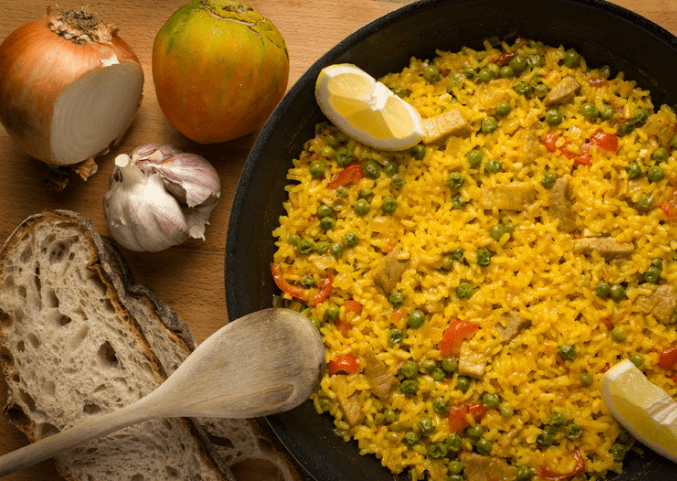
[533, 270]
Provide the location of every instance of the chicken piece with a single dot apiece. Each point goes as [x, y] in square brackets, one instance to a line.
[388, 273]
[513, 196]
[662, 303]
[381, 381]
[471, 363]
[607, 247]
[348, 399]
[486, 468]
[530, 143]
[452, 122]
[561, 204]
[563, 92]
[514, 323]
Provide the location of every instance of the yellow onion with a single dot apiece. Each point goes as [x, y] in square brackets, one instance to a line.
[69, 88]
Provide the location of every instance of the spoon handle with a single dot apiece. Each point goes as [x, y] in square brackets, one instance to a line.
[76, 436]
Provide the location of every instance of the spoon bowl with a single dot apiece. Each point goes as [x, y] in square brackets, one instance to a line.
[264, 363]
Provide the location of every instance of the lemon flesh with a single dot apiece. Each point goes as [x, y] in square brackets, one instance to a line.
[641, 407]
[366, 109]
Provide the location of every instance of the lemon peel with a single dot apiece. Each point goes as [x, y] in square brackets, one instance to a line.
[366, 109]
[644, 409]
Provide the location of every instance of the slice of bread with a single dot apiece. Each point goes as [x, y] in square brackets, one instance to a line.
[78, 338]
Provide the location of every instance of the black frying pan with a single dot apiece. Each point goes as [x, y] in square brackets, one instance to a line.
[603, 33]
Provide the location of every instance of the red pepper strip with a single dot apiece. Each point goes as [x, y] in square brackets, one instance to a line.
[597, 81]
[458, 415]
[606, 322]
[299, 292]
[505, 57]
[342, 323]
[605, 141]
[585, 157]
[348, 176]
[454, 335]
[549, 475]
[668, 209]
[667, 357]
[343, 364]
[605, 368]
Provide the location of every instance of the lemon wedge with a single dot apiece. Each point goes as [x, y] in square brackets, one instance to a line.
[641, 407]
[365, 109]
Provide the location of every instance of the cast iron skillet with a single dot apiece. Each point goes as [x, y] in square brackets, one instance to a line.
[603, 33]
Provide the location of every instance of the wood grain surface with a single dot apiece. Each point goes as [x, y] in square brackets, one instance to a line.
[189, 276]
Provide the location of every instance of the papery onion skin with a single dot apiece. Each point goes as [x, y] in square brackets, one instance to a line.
[36, 65]
[219, 69]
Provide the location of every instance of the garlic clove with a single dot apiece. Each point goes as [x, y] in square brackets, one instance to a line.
[157, 152]
[198, 219]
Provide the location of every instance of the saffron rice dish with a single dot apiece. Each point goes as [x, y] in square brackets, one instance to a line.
[472, 290]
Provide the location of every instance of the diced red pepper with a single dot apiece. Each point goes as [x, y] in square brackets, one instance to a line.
[299, 292]
[547, 474]
[399, 314]
[348, 176]
[345, 363]
[454, 335]
[605, 368]
[606, 322]
[343, 324]
[597, 81]
[504, 58]
[458, 415]
[550, 141]
[605, 141]
[667, 357]
[668, 209]
[352, 306]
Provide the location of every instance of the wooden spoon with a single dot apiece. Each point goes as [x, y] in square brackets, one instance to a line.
[266, 362]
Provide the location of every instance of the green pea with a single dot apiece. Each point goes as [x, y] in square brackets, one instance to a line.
[496, 231]
[341, 191]
[640, 115]
[637, 360]
[586, 379]
[328, 223]
[316, 168]
[455, 477]
[458, 254]
[617, 292]
[449, 365]
[544, 440]
[464, 290]
[506, 71]
[523, 473]
[344, 157]
[618, 334]
[634, 171]
[365, 193]
[573, 431]
[571, 58]
[607, 112]
[390, 167]
[416, 319]
[431, 73]
[429, 365]
[491, 400]
[485, 74]
[605, 71]
[470, 73]
[589, 110]
[655, 174]
[657, 262]
[518, 63]
[506, 411]
[395, 336]
[440, 406]
[455, 180]
[535, 60]
[308, 281]
[332, 141]
[305, 246]
[541, 90]
[328, 152]
[567, 352]
[644, 203]
[483, 257]
[324, 210]
[409, 387]
[322, 247]
[553, 117]
[660, 155]
[410, 438]
[626, 127]
[455, 466]
[509, 227]
[426, 426]
[458, 202]
[362, 207]
[454, 443]
[331, 313]
[438, 374]
[372, 169]
[324, 403]
[557, 420]
[602, 289]
[418, 151]
[350, 239]
[337, 249]
[475, 432]
[293, 239]
[673, 142]
[401, 92]
[617, 452]
[484, 446]
[410, 370]
[503, 108]
[548, 180]
[397, 182]
[489, 125]
[523, 88]
[389, 204]
[652, 274]
[447, 262]
[474, 158]
[463, 383]
[437, 450]
[396, 298]
[493, 166]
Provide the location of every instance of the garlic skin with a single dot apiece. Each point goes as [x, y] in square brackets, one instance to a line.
[159, 197]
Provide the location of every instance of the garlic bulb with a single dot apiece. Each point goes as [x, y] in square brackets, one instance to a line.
[159, 197]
